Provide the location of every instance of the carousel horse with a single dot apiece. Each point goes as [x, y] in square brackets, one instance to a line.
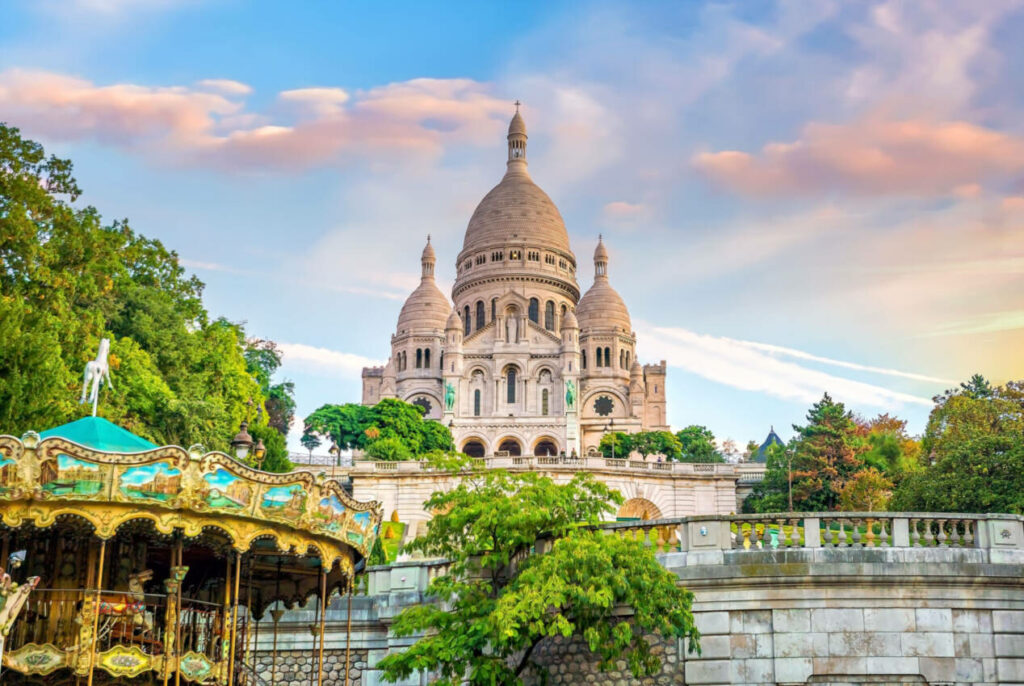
[117, 608]
[12, 599]
[96, 372]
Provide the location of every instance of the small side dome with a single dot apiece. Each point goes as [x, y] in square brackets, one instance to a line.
[454, 322]
[602, 306]
[635, 369]
[569, 321]
[425, 308]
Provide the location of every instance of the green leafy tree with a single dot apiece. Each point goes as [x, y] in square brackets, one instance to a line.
[69, 280]
[499, 602]
[356, 427]
[389, 449]
[889, 449]
[866, 491]
[771, 494]
[973, 452]
[616, 444]
[276, 457]
[656, 443]
[697, 444]
[310, 441]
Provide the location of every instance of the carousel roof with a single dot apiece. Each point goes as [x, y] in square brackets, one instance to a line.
[99, 434]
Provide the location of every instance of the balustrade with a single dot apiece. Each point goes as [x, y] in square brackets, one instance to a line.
[826, 530]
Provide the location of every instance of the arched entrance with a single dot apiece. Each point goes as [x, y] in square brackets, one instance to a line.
[474, 448]
[638, 508]
[545, 447]
[512, 446]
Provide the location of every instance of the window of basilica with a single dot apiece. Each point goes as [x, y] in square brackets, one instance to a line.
[604, 405]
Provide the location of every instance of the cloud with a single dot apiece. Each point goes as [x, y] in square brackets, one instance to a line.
[756, 367]
[209, 125]
[874, 156]
[225, 86]
[625, 213]
[324, 360]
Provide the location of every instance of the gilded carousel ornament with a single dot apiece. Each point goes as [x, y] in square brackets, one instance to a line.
[155, 560]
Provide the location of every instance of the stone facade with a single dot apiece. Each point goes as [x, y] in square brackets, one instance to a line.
[522, 364]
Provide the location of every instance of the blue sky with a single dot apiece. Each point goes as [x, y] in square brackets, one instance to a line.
[798, 197]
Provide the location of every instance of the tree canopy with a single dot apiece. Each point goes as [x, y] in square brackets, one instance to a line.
[973, 450]
[697, 444]
[499, 601]
[69, 280]
[399, 428]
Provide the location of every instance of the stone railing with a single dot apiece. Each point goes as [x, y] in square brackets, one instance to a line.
[827, 530]
[746, 472]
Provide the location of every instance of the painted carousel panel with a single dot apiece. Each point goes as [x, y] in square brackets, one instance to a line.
[35, 658]
[71, 477]
[156, 482]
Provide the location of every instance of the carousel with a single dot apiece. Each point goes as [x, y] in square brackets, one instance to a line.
[159, 564]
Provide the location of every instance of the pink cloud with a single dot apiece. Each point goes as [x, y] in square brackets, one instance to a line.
[209, 124]
[873, 156]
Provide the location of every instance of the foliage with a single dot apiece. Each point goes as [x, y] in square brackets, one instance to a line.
[656, 443]
[771, 494]
[310, 441]
[698, 445]
[68, 280]
[889, 449]
[974, 450]
[866, 491]
[358, 427]
[388, 449]
[498, 602]
[263, 359]
[616, 444]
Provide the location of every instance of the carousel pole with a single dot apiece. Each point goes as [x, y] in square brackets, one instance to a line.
[225, 628]
[177, 626]
[234, 619]
[275, 615]
[96, 609]
[323, 619]
[348, 630]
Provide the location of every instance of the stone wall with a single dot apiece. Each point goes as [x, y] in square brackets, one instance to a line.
[298, 667]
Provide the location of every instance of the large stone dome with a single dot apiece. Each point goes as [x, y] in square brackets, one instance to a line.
[516, 207]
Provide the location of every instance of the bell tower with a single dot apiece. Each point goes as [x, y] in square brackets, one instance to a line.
[517, 138]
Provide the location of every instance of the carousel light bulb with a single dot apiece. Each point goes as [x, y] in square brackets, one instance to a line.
[242, 441]
[30, 439]
[260, 450]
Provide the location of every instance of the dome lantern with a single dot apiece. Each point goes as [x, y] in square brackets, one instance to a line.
[517, 139]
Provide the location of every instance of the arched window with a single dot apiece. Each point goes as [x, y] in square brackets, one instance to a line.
[440, 362]
[599, 353]
[564, 310]
[583, 359]
[607, 357]
[549, 315]
[534, 310]
[510, 381]
[544, 402]
[622, 359]
[419, 358]
[479, 314]
[494, 308]
[476, 403]
[627, 359]
[465, 321]
[426, 358]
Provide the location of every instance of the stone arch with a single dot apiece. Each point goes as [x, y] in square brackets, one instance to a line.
[639, 508]
[545, 446]
[474, 446]
[513, 444]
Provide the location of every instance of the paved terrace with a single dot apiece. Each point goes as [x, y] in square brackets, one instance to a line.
[824, 598]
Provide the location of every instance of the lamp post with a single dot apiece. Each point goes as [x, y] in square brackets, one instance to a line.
[335, 452]
[242, 441]
[610, 426]
[789, 474]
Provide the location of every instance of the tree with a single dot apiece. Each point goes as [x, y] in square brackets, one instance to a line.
[866, 491]
[350, 427]
[499, 601]
[889, 449]
[750, 452]
[697, 444]
[771, 494]
[973, 449]
[310, 441]
[616, 444]
[69, 280]
[388, 449]
[656, 443]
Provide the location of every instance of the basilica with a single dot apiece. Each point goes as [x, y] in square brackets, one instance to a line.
[521, 365]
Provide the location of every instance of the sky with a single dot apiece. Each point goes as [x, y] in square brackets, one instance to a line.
[798, 197]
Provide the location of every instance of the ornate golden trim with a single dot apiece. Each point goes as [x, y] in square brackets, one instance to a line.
[124, 661]
[35, 658]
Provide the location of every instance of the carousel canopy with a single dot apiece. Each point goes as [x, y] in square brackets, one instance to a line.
[99, 434]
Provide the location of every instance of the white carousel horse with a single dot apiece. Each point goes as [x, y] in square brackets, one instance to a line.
[96, 372]
[117, 607]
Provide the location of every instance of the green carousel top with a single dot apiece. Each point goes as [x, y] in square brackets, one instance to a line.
[99, 434]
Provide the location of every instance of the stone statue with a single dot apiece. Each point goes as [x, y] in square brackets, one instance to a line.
[449, 396]
[570, 394]
[512, 329]
[96, 372]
